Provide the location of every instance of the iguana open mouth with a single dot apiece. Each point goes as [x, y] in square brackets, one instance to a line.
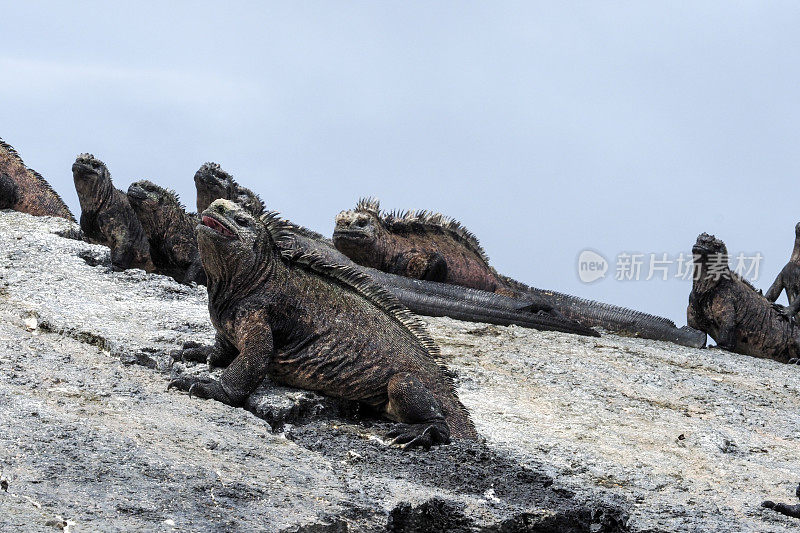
[217, 226]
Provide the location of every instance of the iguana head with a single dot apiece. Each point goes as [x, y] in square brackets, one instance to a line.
[91, 176]
[707, 245]
[359, 233]
[213, 183]
[233, 243]
[9, 191]
[153, 204]
[710, 260]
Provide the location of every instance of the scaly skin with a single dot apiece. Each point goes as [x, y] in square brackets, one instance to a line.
[732, 312]
[422, 297]
[284, 313]
[785, 508]
[213, 183]
[430, 246]
[789, 280]
[107, 217]
[25, 190]
[170, 231]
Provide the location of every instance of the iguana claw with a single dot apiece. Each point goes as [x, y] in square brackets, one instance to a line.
[424, 435]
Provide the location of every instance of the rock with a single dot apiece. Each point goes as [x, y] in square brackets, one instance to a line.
[581, 434]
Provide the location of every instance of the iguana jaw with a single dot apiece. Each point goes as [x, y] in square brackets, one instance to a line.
[352, 235]
[217, 226]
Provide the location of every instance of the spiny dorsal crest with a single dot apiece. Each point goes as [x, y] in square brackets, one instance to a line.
[423, 221]
[282, 233]
[369, 204]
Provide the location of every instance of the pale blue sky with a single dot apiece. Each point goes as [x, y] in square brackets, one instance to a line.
[546, 128]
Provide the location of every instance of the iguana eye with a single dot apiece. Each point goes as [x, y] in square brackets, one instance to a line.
[242, 221]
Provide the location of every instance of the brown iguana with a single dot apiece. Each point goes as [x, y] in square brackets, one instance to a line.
[170, 231]
[789, 279]
[25, 190]
[281, 312]
[732, 312]
[107, 217]
[424, 298]
[431, 246]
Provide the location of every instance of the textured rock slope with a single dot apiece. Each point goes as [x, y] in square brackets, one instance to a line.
[581, 434]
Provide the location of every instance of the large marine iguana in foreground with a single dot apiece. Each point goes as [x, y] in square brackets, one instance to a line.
[732, 312]
[107, 217]
[282, 312]
[23, 189]
[170, 231]
[430, 246]
[789, 280]
[424, 298]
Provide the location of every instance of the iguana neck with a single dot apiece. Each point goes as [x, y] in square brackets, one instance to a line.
[229, 283]
[795, 258]
[100, 197]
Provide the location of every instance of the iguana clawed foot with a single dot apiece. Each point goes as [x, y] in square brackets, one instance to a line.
[784, 508]
[205, 388]
[191, 351]
[200, 353]
[425, 434]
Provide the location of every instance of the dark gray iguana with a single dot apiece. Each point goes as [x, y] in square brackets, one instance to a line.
[785, 508]
[789, 280]
[170, 231]
[213, 183]
[430, 246]
[732, 312]
[281, 312]
[425, 298]
[25, 190]
[107, 217]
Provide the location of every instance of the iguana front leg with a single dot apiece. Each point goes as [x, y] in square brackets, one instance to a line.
[122, 251]
[726, 335]
[785, 508]
[195, 273]
[776, 288]
[249, 368]
[9, 192]
[428, 266]
[413, 404]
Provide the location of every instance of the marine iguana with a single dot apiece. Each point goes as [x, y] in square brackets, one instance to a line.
[170, 231]
[424, 298]
[789, 279]
[282, 312]
[785, 508]
[431, 246]
[732, 312]
[23, 189]
[107, 217]
[213, 183]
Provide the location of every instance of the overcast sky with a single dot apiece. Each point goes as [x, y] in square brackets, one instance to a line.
[546, 128]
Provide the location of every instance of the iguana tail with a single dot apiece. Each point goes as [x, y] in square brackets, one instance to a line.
[616, 319]
[438, 299]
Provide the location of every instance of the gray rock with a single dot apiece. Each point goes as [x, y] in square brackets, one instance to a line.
[581, 434]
